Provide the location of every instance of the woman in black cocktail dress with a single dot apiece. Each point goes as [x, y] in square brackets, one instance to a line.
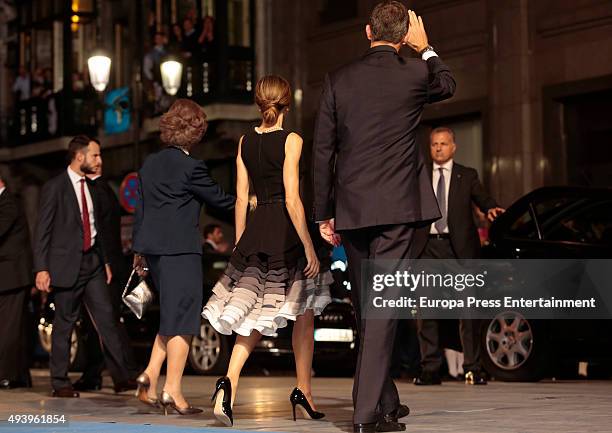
[273, 275]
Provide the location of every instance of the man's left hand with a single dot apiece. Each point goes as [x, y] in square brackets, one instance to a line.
[416, 38]
[109, 273]
[494, 212]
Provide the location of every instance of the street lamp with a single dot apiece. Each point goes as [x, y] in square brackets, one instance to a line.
[99, 65]
[171, 72]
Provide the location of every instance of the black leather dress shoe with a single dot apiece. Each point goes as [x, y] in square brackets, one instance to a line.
[381, 426]
[428, 379]
[88, 384]
[128, 385]
[390, 426]
[364, 428]
[475, 378]
[65, 392]
[398, 413]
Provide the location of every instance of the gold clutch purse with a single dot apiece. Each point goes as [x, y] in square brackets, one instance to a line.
[139, 298]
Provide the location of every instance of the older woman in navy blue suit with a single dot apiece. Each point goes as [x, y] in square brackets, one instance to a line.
[166, 239]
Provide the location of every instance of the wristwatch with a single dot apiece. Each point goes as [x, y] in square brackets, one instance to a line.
[424, 50]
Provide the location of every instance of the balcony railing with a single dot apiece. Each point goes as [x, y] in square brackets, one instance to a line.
[43, 118]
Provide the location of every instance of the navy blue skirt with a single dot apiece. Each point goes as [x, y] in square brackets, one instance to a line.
[178, 280]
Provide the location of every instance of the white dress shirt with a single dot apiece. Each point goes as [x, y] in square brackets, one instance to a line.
[447, 168]
[76, 184]
[428, 54]
[2, 190]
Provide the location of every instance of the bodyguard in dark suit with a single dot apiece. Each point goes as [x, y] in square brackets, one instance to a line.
[369, 181]
[110, 222]
[452, 236]
[15, 284]
[70, 260]
[173, 186]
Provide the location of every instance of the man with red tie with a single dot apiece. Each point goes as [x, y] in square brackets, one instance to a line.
[70, 262]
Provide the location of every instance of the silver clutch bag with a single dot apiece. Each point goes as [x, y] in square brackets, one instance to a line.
[139, 298]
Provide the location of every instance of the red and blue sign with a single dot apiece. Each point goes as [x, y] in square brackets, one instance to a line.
[128, 192]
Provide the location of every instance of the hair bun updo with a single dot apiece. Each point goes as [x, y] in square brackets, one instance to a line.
[183, 125]
[272, 95]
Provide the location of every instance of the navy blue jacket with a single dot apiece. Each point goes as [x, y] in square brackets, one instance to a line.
[368, 170]
[172, 188]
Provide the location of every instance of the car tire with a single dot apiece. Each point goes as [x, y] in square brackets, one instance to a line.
[513, 348]
[210, 350]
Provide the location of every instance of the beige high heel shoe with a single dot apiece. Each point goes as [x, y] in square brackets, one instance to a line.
[167, 401]
[142, 391]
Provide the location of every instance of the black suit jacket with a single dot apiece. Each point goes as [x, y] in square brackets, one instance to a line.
[208, 248]
[58, 239]
[173, 186]
[465, 189]
[110, 218]
[15, 249]
[110, 223]
[368, 170]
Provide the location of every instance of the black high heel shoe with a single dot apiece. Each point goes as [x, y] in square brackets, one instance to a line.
[223, 401]
[167, 401]
[297, 398]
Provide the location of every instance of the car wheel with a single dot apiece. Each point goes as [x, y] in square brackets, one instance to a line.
[514, 349]
[210, 351]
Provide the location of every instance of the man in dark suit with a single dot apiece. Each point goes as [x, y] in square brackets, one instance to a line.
[452, 236]
[213, 236]
[369, 184]
[70, 260]
[110, 222]
[15, 284]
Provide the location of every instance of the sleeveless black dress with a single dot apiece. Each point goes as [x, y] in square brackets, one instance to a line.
[264, 284]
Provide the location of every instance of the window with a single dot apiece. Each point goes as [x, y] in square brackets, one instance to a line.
[587, 221]
[47, 105]
[524, 227]
[214, 41]
[547, 212]
[239, 23]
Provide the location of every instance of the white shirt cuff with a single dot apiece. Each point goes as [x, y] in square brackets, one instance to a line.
[428, 54]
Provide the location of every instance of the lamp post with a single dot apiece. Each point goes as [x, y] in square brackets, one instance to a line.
[99, 65]
[171, 72]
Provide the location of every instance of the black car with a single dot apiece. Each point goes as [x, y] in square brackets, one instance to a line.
[550, 222]
[335, 333]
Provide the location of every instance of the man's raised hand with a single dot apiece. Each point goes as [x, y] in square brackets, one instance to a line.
[416, 38]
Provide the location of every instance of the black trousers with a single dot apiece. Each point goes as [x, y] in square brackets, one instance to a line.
[428, 332]
[374, 393]
[93, 351]
[14, 360]
[92, 291]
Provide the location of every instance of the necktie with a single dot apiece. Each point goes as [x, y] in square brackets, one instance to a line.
[85, 218]
[440, 225]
